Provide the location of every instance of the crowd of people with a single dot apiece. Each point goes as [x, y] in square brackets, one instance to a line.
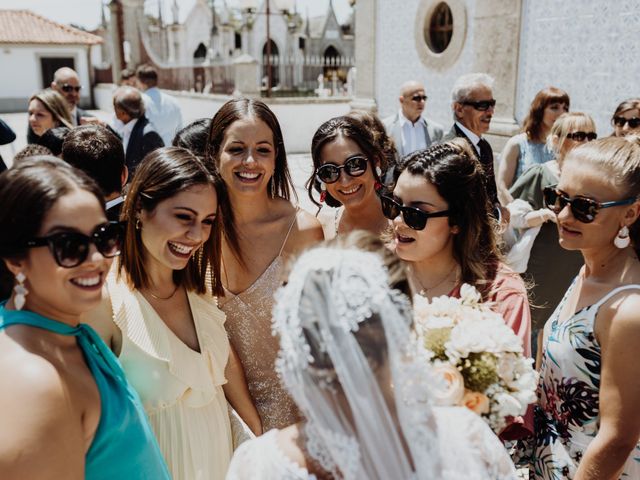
[169, 311]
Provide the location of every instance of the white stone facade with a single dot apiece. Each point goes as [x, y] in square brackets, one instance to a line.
[586, 47]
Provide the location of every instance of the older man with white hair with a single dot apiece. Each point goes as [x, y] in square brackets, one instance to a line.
[410, 129]
[473, 107]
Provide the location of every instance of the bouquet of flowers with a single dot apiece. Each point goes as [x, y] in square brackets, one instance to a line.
[478, 356]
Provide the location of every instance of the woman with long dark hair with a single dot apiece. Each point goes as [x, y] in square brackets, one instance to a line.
[261, 229]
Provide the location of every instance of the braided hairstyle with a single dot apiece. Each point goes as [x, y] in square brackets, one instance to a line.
[459, 178]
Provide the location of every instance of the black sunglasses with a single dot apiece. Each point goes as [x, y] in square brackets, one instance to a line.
[582, 136]
[482, 105]
[419, 98]
[330, 173]
[584, 209]
[70, 249]
[412, 216]
[620, 121]
[70, 88]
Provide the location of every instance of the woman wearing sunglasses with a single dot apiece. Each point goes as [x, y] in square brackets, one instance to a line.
[443, 229]
[261, 229]
[162, 321]
[626, 118]
[530, 147]
[68, 410]
[536, 228]
[348, 167]
[589, 390]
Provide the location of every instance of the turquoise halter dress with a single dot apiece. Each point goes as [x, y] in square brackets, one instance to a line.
[124, 446]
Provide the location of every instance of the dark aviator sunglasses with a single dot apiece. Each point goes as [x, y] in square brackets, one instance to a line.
[330, 173]
[70, 88]
[70, 249]
[482, 105]
[582, 136]
[413, 217]
[584, 209]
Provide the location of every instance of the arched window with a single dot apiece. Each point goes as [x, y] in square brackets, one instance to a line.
[275, 62]
[200, 54]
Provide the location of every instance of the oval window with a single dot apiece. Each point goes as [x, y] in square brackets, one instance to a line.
[438, 28]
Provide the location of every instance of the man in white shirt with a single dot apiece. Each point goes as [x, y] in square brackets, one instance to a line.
[410, 129]
[161, 109]
[139, 137]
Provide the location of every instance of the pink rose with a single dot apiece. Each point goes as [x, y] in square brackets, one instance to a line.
[476, 402]
[453, 391]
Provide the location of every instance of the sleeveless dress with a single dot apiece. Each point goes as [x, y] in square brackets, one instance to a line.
[531, 153]
[567, 414]
[249, 329]
[469, 450]
[124, 445]
[180, 388]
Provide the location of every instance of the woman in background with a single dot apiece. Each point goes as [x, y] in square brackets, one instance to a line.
[47, 109]
[530, 147]
[626, 118]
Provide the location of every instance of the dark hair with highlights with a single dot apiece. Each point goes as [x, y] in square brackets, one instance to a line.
[460, 179]
[532, 124]
[194, 137]
[353, 129]
[279, 185]
[162, 174]
[28, 191]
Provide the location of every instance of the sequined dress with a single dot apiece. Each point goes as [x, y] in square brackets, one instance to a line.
[249, 328]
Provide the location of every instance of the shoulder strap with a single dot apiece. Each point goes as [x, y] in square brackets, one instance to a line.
[613, 292]
[295, 216]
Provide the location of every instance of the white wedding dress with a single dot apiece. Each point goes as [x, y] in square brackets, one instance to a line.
[470, 450]
[350, 362]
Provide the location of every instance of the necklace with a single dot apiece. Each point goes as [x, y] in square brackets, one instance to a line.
[423, 290]
[165, 298]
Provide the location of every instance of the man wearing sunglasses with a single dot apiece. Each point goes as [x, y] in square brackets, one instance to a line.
[473, 107]
[410, 129]
[67, 83]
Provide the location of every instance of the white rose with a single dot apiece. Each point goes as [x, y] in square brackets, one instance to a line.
[453, 387]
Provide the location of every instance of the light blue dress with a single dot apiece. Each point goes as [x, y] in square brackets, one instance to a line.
[124, 446]
[531, 154]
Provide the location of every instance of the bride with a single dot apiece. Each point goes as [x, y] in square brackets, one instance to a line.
[348, 361]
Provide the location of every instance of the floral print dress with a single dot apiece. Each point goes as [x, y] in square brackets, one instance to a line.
[567, 416]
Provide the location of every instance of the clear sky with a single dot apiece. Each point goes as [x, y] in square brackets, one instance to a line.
[87, 12]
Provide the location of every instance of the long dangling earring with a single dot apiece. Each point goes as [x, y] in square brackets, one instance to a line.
[323, 192]
[20, 291]
[378, 185]
[137, 224]
[622, 240]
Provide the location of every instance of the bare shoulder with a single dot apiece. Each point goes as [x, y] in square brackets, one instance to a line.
[42, 421]
[511, 148]
[617, 322]
[288, 440]
[101, 320]
[307, 231]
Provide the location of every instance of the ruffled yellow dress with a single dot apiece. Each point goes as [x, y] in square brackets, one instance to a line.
[180, 388]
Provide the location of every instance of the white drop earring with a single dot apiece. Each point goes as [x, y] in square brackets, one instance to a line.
[622, 240]
[20, 291]
[378, 171]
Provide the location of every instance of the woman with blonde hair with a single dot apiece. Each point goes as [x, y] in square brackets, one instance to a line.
[626, 118]
[530, 147]
[530, 214]
[47, 109]
[587, 417]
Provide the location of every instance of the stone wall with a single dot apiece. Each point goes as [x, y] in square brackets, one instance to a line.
[586, 47]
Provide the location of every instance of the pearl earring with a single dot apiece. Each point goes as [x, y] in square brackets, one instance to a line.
[378, 171]
[20, 291]
[622, 240]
